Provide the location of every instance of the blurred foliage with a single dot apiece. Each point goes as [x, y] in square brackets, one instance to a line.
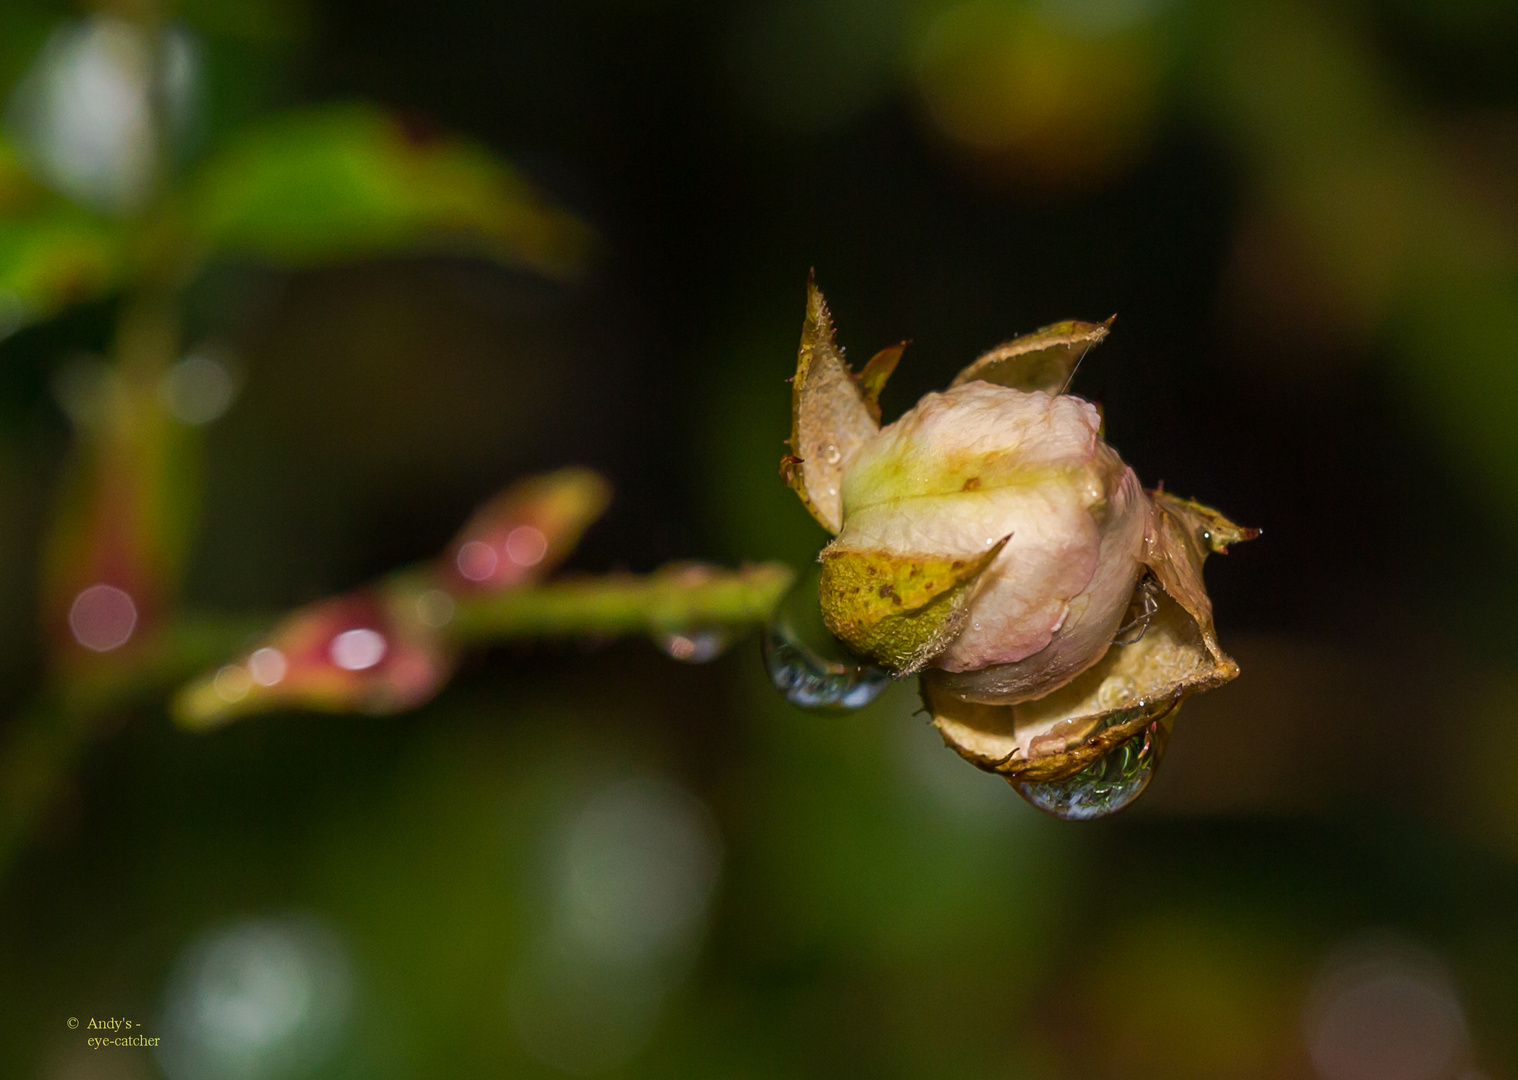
[346, 183]
[52, 254]
[329, 185]
[1304, 216]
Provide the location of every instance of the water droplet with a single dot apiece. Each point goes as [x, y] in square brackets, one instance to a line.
[267, 666]
[358, 649]
[812, 668]
[526, 545]
[232, 683]
[833, 455]
[695, 646]
[1105, 786]
[476, 560]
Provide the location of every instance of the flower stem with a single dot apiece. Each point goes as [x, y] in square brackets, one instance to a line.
[664, 602]
[41, 747]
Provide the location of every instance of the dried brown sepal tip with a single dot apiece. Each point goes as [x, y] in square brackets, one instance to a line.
[1209, 528]
[833, 412]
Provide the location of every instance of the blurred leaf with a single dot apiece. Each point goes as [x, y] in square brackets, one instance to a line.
[52, 253]
[49, 260]
[350, 182]
[27, 23]
[263, 21]
[1051, 93]
[17, 188]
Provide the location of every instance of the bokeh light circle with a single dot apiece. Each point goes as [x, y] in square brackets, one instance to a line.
[261, 999]
[103, 617]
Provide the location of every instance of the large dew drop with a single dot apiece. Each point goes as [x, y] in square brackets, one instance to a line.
[812, 668]
[1105, 786]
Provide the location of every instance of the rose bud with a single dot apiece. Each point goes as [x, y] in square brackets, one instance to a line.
[524, 532]
[388, 647]
[991, 540]
[364, 651]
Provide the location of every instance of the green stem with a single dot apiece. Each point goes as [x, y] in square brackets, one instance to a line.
[660, 603]
[42, 747]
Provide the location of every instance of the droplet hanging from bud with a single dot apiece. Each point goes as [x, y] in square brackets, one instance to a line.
[1106, 785]
[812, 668]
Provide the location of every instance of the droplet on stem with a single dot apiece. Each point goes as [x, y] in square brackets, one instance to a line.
[476, 560]
[526, 545]
[358, 649]
[267, 666]
[695, 645]
[812, 668]
[232, 683]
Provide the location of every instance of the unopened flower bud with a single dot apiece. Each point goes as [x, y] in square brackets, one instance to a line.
[993, 541]
[365, 651]
[389, 647]
[524, 532]
[985, 467]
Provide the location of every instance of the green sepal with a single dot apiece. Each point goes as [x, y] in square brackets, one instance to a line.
[899, 610]
[337, 183]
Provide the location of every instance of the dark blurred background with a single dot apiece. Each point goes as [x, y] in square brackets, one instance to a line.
[592, 860]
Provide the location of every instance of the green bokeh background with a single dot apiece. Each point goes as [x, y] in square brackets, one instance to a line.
[1306, 218]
